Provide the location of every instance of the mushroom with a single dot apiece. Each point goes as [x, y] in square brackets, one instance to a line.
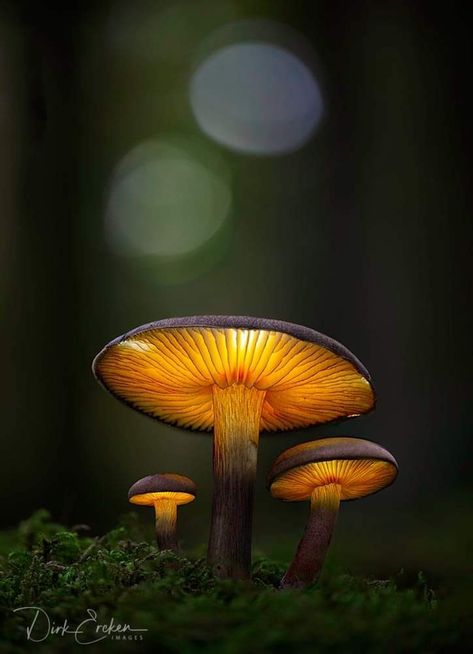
[165, 492]
[326, 471]
[236, 376]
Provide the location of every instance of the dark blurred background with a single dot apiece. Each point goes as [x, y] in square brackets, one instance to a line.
[307, 161]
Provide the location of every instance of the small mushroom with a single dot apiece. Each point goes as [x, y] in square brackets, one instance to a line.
[237, 376]
[165, 492]
[326, 471]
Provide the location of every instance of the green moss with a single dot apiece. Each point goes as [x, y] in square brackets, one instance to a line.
[185, 609]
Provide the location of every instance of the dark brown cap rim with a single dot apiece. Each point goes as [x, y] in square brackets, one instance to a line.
[237, 322]
[357, 449]
[162, 483]
[244, 322]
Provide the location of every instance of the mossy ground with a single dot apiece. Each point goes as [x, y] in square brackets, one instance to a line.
[186, 610]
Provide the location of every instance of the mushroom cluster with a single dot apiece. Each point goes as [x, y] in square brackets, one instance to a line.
[237, 376]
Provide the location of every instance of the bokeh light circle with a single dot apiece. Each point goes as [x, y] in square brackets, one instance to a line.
[256, 97]
[165, 201]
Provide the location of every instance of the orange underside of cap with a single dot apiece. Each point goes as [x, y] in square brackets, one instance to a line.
[148, 499]
[170, 373]
[357, 478]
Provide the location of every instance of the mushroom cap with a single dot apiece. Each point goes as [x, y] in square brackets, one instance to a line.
[359, 466]
[167, 370]
[162, 486]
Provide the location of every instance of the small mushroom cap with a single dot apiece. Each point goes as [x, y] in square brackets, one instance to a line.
[167, 369]
[359, 466]
[162, 486]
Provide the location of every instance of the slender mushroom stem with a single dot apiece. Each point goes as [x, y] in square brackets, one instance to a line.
[166, 518]
[237, 415]
[313, 546]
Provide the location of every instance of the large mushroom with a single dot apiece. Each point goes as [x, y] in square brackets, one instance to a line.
[324, 472]
[165, 492]
[238, 376]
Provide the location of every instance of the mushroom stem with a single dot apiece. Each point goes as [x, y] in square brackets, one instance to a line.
[237, 414]
[313, 546]
[166, 518]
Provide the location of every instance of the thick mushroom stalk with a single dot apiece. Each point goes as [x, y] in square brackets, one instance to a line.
[237, 416]
[310, 555]
[166, 519]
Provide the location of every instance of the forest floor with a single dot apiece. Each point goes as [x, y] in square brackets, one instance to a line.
[61, 589]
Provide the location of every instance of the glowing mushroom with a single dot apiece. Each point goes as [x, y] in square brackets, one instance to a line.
[236, 376]
[165, 493]
[326, 471]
